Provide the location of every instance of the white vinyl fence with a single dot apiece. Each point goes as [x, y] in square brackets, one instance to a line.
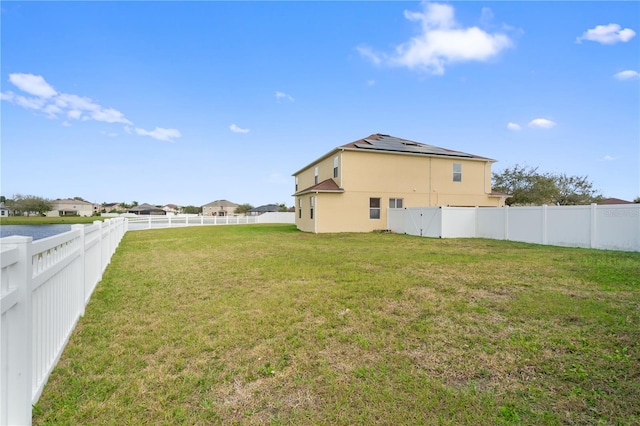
[168, 221]
[45, 286]
[611, 227]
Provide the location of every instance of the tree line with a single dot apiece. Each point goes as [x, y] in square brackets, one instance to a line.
[527, 186]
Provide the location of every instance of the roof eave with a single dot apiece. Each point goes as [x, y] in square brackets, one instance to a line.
[316, 191]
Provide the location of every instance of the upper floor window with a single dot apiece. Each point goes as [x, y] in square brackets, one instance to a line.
[374, 208]
[335, 167]
[315, 177]
[296, 183]
[395, 203]
[457, 172]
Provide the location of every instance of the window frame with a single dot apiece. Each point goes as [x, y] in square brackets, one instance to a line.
[395, 203]
[312, 204]
[335, 167]
[315, 175]
[457, 174]
[375, 210]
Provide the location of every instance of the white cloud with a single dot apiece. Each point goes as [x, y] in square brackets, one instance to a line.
[109, 115]
[367, 52]
[513, 126]
[442, 41]
[607, 34]
[160, 134]
[32, 84]
[608, 158]
[542, 123]
[66, 100]
[627, 75]
[74, 114]
[46, 99]
[371, 83]
[282, 95]
[236, 129]
[29, 103]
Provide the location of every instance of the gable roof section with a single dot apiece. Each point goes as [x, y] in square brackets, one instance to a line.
[386, 143]
[221, 203]
[390, 144]
[328, 185]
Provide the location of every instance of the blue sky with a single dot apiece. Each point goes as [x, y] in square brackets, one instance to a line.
[190, 102]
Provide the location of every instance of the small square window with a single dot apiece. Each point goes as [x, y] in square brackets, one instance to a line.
[395, 203]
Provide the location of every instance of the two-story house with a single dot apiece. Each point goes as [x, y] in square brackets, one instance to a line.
[350, 188]
[219, 208]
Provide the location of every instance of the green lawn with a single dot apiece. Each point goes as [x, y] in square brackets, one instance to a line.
[262, 324]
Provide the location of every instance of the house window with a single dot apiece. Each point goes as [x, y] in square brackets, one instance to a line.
[395, 203]
[374, 208]
[300, 208]
[296, 183]
[335, 167]
[457, 172]
[315, 178]
[311, 206]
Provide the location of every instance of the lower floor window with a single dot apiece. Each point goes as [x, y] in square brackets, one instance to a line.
[312, 204]
[374, 208]
[395, 203]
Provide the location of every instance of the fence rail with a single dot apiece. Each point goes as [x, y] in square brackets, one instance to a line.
[154, 222]
[44, 288]
[610, 227]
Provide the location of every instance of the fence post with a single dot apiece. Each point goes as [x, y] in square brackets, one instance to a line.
[506, 222]
[593, 229]
[543, 212]
[82, 296]
[19, 338]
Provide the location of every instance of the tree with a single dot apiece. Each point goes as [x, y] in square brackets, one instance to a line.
[528, 187]
[282, 207]
[574, 190]
[243, 208]
[637, 200]
[31, 204]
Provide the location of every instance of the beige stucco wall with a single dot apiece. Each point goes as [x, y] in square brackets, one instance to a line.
[418, 180]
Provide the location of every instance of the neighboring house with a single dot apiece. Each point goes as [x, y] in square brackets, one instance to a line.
[257, 211]
[112, 207]
[219, 208]
[171, 208]
[614, 201]
[4, 212]
[71, 207]
[146, 209]
[350, 188]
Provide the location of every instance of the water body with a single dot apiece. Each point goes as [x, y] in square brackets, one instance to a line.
[36, 231]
